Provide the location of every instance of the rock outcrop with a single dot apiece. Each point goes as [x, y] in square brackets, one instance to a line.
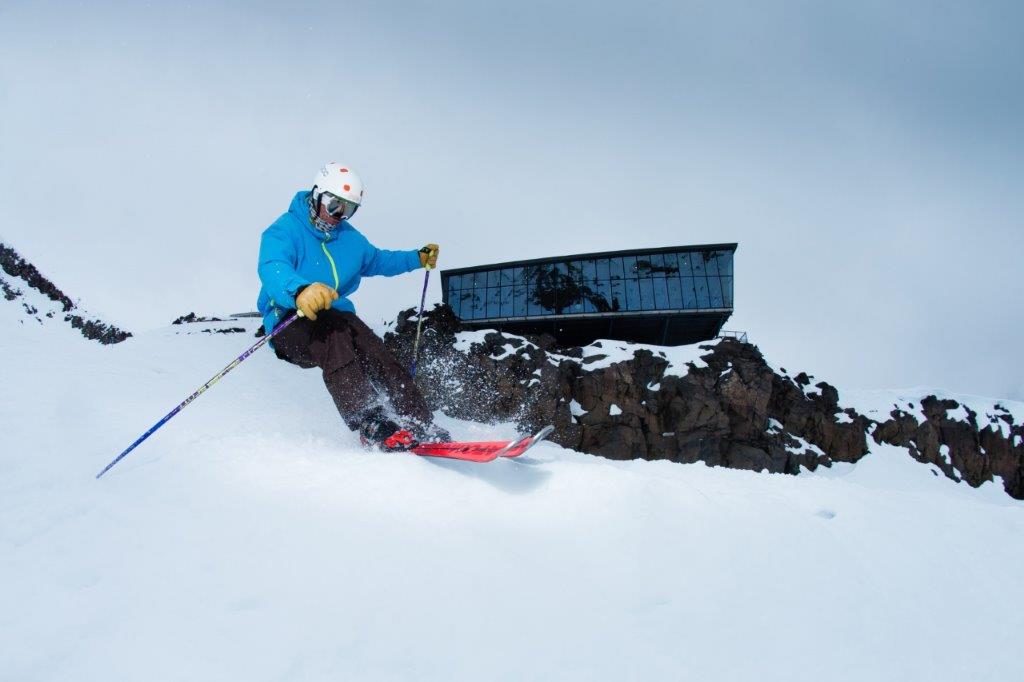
[723, 404]
[209, 325]
[968, 446]
[24, 274]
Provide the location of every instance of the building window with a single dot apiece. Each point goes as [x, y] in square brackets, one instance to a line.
[684, 280]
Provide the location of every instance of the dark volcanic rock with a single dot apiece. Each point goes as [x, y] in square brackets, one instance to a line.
[225, 330]
[16, 266]
[192, 317]
[10, 293]
[730, 408]
[974, 450]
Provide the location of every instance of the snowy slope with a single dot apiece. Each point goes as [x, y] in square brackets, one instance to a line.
[251, 539]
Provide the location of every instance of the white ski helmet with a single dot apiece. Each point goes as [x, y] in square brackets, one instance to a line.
[339, 182]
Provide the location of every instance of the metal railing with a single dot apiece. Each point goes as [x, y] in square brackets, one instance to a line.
[739, 336]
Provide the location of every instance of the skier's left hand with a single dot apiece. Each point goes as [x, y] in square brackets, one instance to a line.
[428, 256]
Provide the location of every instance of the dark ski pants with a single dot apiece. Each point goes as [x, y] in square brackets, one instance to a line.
[355, 363]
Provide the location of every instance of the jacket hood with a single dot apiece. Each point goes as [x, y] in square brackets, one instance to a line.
[299, 208]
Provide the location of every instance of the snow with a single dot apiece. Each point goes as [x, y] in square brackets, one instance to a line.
[878, 404]
[251, 538]
[576, 409]
[464, 340]
[506, 350]
[680, 358]
[959, 414]
[34, 307]
[603, 353]
[843, 418]
[614, 410]
[803, 446]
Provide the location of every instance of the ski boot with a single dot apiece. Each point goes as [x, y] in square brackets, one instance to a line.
[377, 431]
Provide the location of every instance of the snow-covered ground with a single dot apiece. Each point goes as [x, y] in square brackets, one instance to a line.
[252, 539]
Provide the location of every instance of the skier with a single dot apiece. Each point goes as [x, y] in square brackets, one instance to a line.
[311, 259]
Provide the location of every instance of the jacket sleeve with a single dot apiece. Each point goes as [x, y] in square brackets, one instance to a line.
[388, 263]
[278, 260]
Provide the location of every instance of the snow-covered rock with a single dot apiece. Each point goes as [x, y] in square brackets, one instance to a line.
[721, 402]
[40, 302]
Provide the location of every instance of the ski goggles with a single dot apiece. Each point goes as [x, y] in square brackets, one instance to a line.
[337, 207]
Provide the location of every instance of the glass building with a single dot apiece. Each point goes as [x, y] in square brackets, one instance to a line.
[666, 296]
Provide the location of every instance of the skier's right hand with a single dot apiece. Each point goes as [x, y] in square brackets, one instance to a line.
[315, 298]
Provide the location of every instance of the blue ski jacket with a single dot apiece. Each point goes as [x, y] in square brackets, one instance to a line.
[293, 254]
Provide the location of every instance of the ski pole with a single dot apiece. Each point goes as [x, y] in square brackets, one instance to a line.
[419, 319]
[237, 361]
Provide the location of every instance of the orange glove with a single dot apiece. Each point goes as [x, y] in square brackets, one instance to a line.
[428, 256]
[315, 298]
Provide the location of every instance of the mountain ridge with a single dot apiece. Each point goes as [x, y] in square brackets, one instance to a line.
[50, 302]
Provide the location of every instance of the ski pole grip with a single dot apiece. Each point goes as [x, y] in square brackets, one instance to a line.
[430, 252]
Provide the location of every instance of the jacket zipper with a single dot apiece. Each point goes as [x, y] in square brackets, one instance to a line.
[334, 270]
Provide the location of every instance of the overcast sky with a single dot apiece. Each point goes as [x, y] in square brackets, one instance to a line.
[867, 156]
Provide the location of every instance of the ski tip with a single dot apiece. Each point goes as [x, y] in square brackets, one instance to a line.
[524, 444]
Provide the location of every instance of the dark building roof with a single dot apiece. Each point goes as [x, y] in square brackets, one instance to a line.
[669, 296]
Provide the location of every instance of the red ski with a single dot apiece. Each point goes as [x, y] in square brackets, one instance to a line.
[482, 451]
